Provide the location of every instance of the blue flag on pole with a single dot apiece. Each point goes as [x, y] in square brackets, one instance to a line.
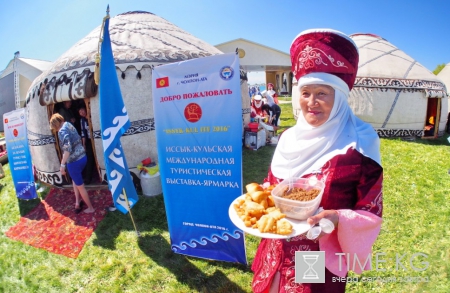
[114, 122]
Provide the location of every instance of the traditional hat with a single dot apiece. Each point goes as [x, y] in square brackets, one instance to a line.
[325, 51]
[257, 98]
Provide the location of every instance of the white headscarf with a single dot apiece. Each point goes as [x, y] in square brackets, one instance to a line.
[303, 148]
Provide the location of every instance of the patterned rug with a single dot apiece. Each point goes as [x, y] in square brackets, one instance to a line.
[54, 226]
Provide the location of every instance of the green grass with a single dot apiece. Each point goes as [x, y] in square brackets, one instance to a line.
[284, 98]
[287, 117]
[416, 219]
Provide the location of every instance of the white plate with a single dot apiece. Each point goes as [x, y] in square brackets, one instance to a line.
[298, 226]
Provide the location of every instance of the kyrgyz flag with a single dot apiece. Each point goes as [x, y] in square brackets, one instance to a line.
[114, 122]
[162, 82]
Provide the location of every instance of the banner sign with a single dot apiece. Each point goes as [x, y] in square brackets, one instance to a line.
[198, 113]
[15, 126]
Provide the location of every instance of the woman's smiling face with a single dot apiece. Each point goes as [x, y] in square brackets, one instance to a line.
[316, 102]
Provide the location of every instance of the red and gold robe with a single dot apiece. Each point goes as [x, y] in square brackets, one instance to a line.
[353, 187]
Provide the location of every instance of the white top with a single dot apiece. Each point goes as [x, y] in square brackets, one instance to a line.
[269, 97]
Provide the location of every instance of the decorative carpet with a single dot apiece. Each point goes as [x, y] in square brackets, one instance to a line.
[54, 226]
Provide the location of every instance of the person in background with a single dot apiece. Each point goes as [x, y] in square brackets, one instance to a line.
[328, 143]
[66, 112]
[257, 90]
[257, 107]
[272, 92]
[74, 158]
[429, 128]
[266, 123]
[267, 114]
[252, 91]
[275, 108]
[87, 144]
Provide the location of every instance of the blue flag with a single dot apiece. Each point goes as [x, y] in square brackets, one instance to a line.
[114, 122]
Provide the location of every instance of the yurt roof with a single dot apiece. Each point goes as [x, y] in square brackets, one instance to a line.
[138, 38]
[383, 65]
[444, 75]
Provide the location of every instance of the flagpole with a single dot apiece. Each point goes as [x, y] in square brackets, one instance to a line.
[129, 210]
[97, 78]
[97, 56]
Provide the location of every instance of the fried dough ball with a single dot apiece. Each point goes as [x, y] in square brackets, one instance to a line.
[258, 196]
[284, 227]
[251, 187]
[257, 210]
[270, 201]
[276, 214]
[266, 224]
[264, 203]
[253, 209]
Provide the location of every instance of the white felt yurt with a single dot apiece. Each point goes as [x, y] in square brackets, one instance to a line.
[140, 40]
[444, 75]
[394, 93]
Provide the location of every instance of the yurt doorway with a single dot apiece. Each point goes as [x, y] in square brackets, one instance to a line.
[432, 119]
[78, 113]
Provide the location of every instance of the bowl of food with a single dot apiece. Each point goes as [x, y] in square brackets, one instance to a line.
[298, 198]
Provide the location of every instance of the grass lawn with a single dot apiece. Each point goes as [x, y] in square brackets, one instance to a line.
[415, 234]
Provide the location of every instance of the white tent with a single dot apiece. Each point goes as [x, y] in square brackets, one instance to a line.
[15, 80]
[140, 41]
[394, 93]
[444, 75]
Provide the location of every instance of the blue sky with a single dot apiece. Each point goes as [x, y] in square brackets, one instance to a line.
[45, 29]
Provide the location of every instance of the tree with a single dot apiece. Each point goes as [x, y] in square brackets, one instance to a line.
[438, 68]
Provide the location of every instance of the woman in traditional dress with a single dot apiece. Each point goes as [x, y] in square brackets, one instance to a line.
[74, 158]
[257, 107]
[272, 93]
[331, 144]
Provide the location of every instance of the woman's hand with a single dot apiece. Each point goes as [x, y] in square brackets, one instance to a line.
[64, 160]
[331, 215]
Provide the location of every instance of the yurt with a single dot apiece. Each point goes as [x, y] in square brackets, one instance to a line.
[444, 75]
[397, 95]
[140, 41]
[393, 92]
[15, 81]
